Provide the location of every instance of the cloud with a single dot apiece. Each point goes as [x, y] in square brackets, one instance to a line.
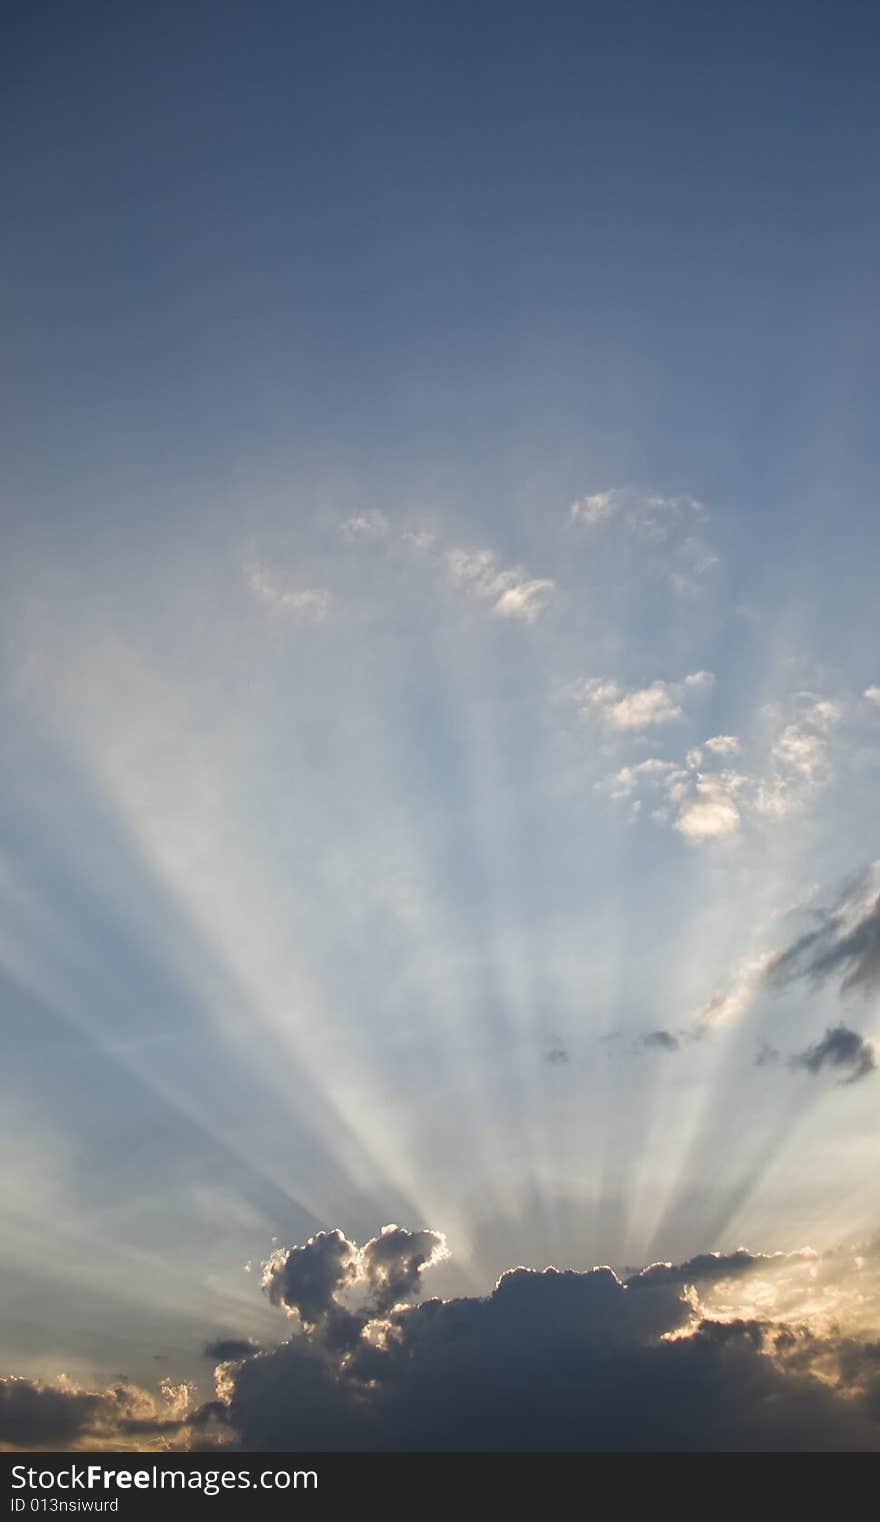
[712, 811]
[308, 1280]
[558, 1057]
[597, 508]
[365, 528]
[230, 1349]
[512, 593]
[310, 604]
[564, 1360]
[639, 708]
[723, 1351]
[670, 526]
[335, 1286]
[62, 1416]
[800, 758]
[646, 512]
[723, 746]
[872, 694]
[663, 1041]
[705, 802]
[839, 1048]
[846, 942]
[732, 1002]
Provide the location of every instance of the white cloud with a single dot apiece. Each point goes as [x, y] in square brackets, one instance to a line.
[512, 592]
[741, 992]
[628, 778]
[712, 811]
[311, 604]
[873, 695]
[723, 745]
[365, 528]
[653, 515]
[642, 707]
[801, 759]
[670, 527]
[704, 804]
[595, 508]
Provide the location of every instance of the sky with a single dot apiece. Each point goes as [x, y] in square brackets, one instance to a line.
[440, 724]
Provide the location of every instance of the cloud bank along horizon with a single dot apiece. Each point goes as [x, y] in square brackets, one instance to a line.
[735, 1351]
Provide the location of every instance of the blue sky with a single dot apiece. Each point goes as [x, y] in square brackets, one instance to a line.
[439, 662]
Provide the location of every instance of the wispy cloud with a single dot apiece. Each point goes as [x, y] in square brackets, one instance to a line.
[365, 528]
[649, 513]
[274, 592]
[511, 592]
[845, 943]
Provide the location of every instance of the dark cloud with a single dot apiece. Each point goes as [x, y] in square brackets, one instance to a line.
[551, 1360]
[558, 1361]
[308, 1279]
[33, 1414]
[846, 942]
[60, 1416]
[662, 1041]
[558, 1057]
[839, 1048]
[393, 1262]
[708, 1268]
[336, 1287]
[230, 1349]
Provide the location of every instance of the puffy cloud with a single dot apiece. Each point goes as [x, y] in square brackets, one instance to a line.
[393, 1262]
[563, 1360]
[872, 694]
[705, 802]
[335, 1286]
[800, 758]
[308, 1280]
[712, 810]
[63, 1416]
[641, 707]
[512, 593]
[841, 1048]
[723, 1351]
